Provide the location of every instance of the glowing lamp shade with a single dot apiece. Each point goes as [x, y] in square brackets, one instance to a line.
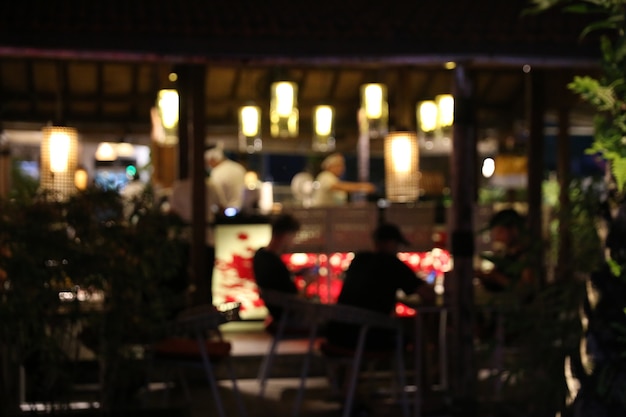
[323, 128]
[375, 109]
[81, 179]
[284, 110]
[250, 120]
[168, 108]
[373, 97]
[165, 118]
[401, 167]
[59, 158]
[250, 129]
[445, 110]
[427, 117]
[59, 151]
[285, 100]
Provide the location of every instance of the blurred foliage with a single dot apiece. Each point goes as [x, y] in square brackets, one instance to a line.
[86, 244]
[607, 93]
[587, 197]
[599, 365]
[24, 186]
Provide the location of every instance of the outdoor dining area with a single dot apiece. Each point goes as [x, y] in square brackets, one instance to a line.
[102, 338]
[114, 337]
[118, 299]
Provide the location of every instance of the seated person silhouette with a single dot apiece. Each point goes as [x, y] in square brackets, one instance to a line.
[512, 271]
[271, 273]
[371, 282]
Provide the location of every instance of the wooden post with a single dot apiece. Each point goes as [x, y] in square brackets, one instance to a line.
[5, 170]
[564, 264]
[536, 111]
[459, 286]
[192, 103]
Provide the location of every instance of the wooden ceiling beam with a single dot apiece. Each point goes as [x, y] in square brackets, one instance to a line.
[62, 92]
[99, 89]
[134, 99]
[30, 85]
[334, 82]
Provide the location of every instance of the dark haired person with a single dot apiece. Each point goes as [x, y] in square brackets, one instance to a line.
[511, 284]
[512, 270]
[270, 272]
[371, 282]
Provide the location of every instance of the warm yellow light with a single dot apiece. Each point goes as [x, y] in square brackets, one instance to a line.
[427, 116]
[323, 128]
[401, 167]
[401, 153]
[168, 108]
[59, 158]
[59, 151]
[105, 152]
[323, 120]
[373, 95]
[250, 129]
[124, 150]
[81, 179]
[374, 110]
[284, 110]
[249, 119]
[445, 107]
[284, 98]
[251, 179]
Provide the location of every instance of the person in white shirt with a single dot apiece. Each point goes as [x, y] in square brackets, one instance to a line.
[227, 175]
[330, 190]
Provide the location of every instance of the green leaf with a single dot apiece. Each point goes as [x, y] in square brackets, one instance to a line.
[616, 268]
[618, 168]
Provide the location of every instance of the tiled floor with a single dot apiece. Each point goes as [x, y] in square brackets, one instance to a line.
[279, 400]
[250, 343]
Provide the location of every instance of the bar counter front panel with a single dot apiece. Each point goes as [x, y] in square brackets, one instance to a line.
[325, 244]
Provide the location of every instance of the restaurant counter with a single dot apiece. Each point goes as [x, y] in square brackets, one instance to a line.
[326, 243]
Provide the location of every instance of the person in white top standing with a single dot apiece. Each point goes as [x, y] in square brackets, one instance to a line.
[330, 190]
[227, 175]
